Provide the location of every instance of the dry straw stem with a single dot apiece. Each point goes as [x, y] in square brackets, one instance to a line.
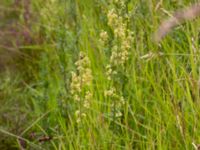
[178, 18]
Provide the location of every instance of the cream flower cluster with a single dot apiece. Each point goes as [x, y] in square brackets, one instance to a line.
[117, 102]
[123, 38]
[120, 52]
[103, 37]
[80, 84]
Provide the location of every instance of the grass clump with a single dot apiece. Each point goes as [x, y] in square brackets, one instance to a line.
[98, 81]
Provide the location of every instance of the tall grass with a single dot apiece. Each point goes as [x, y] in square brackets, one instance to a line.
[86, 93]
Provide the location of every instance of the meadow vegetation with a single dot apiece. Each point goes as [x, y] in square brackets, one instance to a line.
[87, 74]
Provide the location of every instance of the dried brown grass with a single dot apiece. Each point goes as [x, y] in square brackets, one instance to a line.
[179, 17]
[13, 33]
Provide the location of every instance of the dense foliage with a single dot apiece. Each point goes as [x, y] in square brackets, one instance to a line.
[86, 74]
